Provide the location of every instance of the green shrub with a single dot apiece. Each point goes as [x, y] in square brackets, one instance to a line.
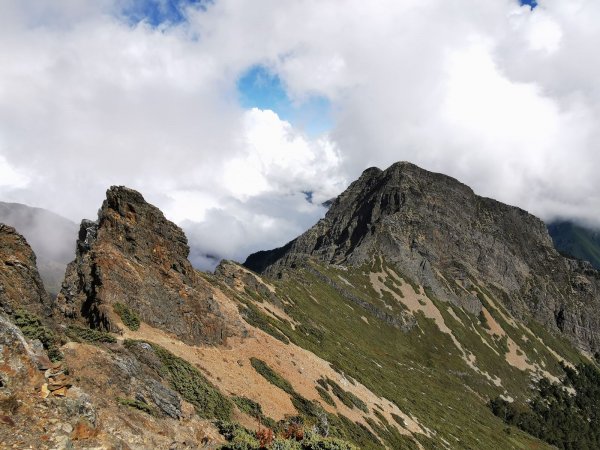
[325, 396]
[228, 429]
[127, 315]
[253, 409]
[131, 343]
[248, 406]
[313, 441]
[89, 335]
[241, 440]
[561, 418]
[306, 407]
[346, 397]
[503, 344]
[193, 386]
[271, 376]
[285, 444]
[389, 433]
[399, 420]
[136, 404]
[32, 328]
[258, 319]
[341, 427]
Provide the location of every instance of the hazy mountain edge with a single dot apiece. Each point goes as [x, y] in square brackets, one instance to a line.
[52, 238]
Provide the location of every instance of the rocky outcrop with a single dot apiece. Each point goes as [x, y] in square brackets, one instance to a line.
[134, 256]
[20, 282]
[19, 367]
[447, 238]
[94, 398]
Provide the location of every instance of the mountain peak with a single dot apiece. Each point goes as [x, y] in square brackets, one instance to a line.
[123, 199]
[390, 205]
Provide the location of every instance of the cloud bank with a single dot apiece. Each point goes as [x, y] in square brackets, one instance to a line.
[495, 94]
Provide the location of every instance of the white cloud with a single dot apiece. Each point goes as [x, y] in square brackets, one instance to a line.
[88, 100]
[9, 177]
[501, 97]
[276, 157]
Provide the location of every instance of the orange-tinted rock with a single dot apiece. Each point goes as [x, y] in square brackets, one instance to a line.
[133, 255]
[20, 282]
[60, 392]
[83, 431]
[44, 391]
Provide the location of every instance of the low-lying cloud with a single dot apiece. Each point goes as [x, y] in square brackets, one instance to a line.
[502, 97]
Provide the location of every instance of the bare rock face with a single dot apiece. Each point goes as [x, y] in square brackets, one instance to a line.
[134, 256]
[18, 359]
[443, 235]
[20, 282]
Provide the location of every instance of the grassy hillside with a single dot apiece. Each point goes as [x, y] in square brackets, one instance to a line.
[439, 364]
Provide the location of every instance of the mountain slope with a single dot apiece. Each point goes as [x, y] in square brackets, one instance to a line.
[434, 361]
[446, 238]
[576, 241]
[51, 236]
[157, 355]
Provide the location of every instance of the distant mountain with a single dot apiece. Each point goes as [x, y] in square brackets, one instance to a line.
[576, 241]
[52, 238]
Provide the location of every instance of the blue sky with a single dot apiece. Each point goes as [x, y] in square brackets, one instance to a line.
[156, 12]
[532, 3]
[259, 88]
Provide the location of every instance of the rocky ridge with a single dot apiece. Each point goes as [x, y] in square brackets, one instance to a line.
[81, 399]
[133, 256]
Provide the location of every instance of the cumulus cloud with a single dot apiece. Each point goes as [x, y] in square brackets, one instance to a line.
[89, 99]
[502, 97]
